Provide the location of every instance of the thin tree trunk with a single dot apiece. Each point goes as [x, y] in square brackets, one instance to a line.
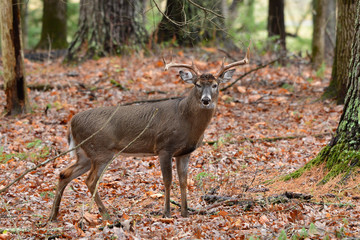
[12, 57]
[330, 31]
[24, 13]
[318, 41]
[276, 22]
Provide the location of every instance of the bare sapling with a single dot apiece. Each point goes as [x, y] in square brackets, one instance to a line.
[175, 131]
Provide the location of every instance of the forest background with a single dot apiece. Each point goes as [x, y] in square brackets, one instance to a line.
[280, 157]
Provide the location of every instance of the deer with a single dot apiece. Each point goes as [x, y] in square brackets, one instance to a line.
[175, 131]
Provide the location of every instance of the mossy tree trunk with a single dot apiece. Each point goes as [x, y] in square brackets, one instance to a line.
[190, 22]
[107, 28]
[344, 34]
[12, 56]
[276, 22]
[342, 154]
[53, 32]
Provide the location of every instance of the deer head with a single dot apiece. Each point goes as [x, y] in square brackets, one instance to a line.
[206, 85]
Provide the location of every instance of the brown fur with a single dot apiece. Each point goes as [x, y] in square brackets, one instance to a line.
[176, 130]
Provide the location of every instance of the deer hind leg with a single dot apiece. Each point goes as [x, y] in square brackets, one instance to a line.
[81, 166]
[92, 179]
[182, 164]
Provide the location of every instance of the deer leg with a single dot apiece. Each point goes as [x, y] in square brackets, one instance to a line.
[166, 170]
[91, 181]
[81, 166]
[182, 164]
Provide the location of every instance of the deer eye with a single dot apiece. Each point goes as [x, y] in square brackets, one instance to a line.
[214, 86]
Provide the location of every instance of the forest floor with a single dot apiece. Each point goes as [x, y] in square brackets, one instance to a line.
[267, 125]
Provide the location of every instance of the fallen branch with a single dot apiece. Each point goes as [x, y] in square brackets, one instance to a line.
[251, 71]
[274, 139]
[270, 139]
[41, 87]
[248, 203]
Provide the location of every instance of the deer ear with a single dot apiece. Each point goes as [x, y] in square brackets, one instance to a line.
[225, 77]
[187, 76]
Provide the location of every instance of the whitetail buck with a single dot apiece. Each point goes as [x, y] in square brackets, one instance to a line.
[176, 130]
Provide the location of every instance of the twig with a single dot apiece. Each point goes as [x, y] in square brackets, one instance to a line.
[150, 100]
[205, 9]
[227, 54]
[196, 211]
[59, 155]
[252, 181]
[166, 16]
[252, 70]
[116, 155]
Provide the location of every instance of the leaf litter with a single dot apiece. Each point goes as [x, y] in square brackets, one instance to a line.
[267, 125]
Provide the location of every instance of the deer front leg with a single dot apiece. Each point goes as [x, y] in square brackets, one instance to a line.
[166, 170]
[182, 164]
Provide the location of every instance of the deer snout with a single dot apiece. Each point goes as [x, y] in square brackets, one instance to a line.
[206, 100]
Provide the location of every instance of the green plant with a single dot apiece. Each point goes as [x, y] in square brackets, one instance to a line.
[282, 235]
[47, 194]
[288, 87]
[37, 151]
[200, 178]
[320, 73]
[223, 140]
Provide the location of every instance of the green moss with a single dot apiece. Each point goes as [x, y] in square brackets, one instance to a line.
[314, 162]
[339, 159]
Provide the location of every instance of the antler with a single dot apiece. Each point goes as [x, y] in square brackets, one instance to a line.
[234, 64]
[192, 67]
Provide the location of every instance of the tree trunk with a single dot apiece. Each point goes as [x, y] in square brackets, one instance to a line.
[344, 34]
[330, 31]
[53, 32]
[190, 22]
[342, 154]
[12, 57]
[233, 9]
[106, 27]
[24, 13]
[172, 22]
[276, 22]
[318, 41]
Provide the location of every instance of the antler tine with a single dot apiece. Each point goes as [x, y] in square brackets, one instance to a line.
[191, 67]
[234, 64]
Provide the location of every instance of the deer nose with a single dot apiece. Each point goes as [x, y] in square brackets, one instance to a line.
[206, 100]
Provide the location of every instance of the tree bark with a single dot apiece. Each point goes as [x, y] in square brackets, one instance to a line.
[276, 22]
[54, 30]
[344, 34]
[106, 28]
[24, 14]
[189, 22]
[330, 31]
[318, 41]
[342, 154]
[12, 57]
